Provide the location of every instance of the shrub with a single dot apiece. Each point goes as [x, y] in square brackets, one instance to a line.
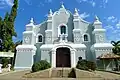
[12, 68]
[86, 65]
[41, 65]
[5, 62]
[72, 73]
[91, 65]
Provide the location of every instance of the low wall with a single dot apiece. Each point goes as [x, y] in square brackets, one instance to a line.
[6, 54]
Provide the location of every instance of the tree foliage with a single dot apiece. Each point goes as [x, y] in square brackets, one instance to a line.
[86, 65]
[116, 48]
[41, 65]
[0, 34]
[7, 30]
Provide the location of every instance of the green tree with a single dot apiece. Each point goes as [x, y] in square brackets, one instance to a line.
[7, 28]
[116, 50]
[12, 17]
[6, 34]
[0, 34]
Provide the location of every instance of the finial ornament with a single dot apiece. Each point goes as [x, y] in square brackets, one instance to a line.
[31, 21]
[96, 18]
[76, 11]
[97, 21]
[50, 12]
[62, 5]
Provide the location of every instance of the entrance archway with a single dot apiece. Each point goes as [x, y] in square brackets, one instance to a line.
[63, 57]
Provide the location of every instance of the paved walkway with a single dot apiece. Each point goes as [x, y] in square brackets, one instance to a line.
[108, 75]
[17, 75]
[13, 75]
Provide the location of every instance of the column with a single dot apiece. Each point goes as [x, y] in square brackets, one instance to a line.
[1, 68]
[66, 38]
[73, 60]
[53, 58]
[9, 66]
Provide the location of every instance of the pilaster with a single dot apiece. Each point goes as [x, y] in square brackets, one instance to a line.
[73, 58]
[53, 59]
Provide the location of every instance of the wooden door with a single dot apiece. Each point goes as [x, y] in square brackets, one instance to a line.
[63, 57]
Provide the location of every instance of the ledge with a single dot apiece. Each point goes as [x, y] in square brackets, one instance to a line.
[98, 30]
[47, 46]
[26, 47]
[98, 45]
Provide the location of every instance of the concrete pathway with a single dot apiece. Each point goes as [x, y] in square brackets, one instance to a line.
[13, 75]
[108, 75]
[17, 75]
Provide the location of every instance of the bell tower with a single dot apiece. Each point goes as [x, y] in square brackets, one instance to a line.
[26, 52]
[29, 36]
[76, 30]
[98, 32]
[48, 32]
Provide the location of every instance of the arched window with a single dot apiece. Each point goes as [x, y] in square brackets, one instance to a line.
[40, 38]
[85, 37]
[63, 29]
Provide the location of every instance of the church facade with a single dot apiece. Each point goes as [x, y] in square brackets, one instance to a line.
[61, 40]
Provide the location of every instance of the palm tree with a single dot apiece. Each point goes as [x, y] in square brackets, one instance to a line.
[116, 50]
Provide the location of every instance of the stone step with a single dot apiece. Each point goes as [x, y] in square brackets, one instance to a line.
[61, 72]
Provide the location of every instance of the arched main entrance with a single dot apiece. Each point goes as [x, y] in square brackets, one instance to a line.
[63, 57]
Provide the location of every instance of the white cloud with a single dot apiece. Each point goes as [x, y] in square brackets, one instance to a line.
[92, 2]
[118, 25]
[109, 27]
[84, 15]
[9, 2]
[48, 1]
[105, 1]
[112, 19]
[103, 4]
[112, 34]
[41, 4]
[79, 1]
[28, 2]
[2, 2]
[5, 3]
[113, 29]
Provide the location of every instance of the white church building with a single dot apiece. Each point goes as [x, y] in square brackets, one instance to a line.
[61, 40]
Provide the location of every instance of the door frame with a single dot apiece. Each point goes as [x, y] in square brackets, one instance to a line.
[68, 55]
[72, 55]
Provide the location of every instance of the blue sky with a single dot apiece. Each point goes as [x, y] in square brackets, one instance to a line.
[107, 10]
